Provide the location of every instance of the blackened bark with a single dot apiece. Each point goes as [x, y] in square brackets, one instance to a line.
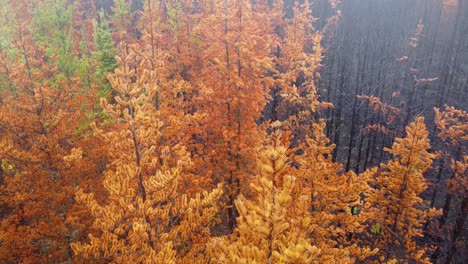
[458, 230]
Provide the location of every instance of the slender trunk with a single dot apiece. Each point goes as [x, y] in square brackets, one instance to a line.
[343, 68]
[448, 198]
[382, 146]
[329, 91]
[434, 192]
[1, 173]
[232, 188]
[232, 183]
[26, 59]
[458, 230]
[339, 107]
[436, 31]
[438, 177]
[231, 205]
[447, 205]
[366, 118]
[409, 105]
[449, 57]
[351, 135]
[361, 142]
[141, 187]
[353, 119]
[369, 146]
[356, 110]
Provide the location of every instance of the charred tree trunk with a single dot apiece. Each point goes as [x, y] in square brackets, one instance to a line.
[458, 230]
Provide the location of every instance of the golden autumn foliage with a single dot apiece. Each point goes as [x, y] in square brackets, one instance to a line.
[207, 149]
[297, 215]
[394, 209]
[40, 115]
[163, 50]
[233, 90]
[334, 200]
[298, 54]
[265, 232]
[452, 125]
[145, 218]
[453, 130]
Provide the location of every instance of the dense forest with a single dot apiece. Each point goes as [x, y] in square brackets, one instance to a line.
[233, 131]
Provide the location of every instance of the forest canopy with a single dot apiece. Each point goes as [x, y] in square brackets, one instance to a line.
[222, 131]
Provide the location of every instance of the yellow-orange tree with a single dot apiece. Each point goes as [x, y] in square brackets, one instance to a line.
[233, 85]
[452, 124]
[40, 116]
[394, 210]
[297, 57]
[334, 200]
[296, 215]
[145, 218]
[266, 230]
[165, 49]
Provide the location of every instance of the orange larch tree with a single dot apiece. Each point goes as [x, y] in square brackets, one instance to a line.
[394, 210]
[335, 200]
[162, 49]
[267, 231]
[452, 124]
[40, 116]
[233, 86]
[296, 215]
[297, 58]
[146, 217]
